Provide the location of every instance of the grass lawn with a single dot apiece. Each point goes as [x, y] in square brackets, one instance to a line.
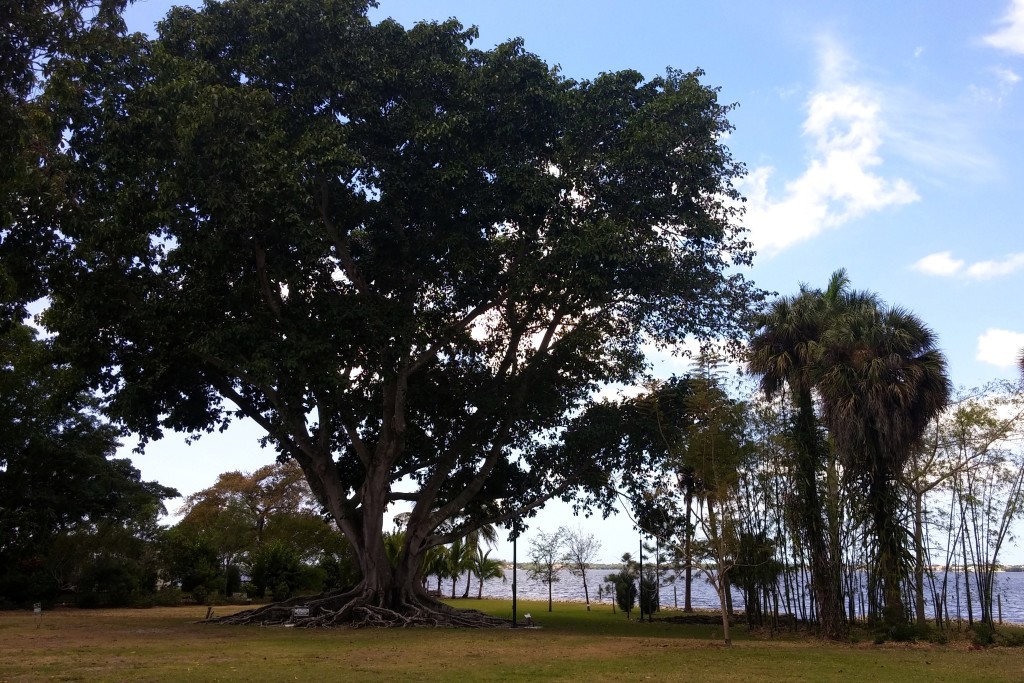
[163, 644]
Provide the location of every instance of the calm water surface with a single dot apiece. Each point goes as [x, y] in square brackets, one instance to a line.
[1008, 585]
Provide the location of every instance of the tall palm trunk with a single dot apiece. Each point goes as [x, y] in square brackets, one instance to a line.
[883, 505]
[826, 581]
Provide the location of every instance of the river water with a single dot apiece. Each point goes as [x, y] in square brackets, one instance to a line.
[1009, 586]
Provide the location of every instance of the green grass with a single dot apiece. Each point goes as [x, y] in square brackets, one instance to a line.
[163, 644]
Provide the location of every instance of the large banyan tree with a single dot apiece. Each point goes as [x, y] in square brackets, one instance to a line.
[406, 259]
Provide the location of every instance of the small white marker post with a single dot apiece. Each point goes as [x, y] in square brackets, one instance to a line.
[37, 611]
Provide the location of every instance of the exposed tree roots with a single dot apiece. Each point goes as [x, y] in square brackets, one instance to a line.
[356, 609]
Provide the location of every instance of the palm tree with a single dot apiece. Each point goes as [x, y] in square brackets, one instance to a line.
[459, 558]
[881, 379]
[435, 563]
[783, 353]
[488, 533]
[485, 568]
[393, 542]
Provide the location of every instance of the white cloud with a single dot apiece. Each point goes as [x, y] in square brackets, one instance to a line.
[1000, 347]
[1010, 37]
[845, 127]
[986, 270]
[941, 263]
[1006, 76]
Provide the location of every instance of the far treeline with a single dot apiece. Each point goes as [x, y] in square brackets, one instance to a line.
[413, 263]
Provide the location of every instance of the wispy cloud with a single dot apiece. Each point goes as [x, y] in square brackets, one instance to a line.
[1007, 76]
[1003, 81]
[1000, 347]
[844, 126]
[942, 263]
[986, 270]
[1010, 36]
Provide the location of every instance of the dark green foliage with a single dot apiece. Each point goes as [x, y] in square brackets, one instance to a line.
[340, 569]
[109, 580]
[275, 567]
[648, 598]
[1009, 637]
[879, 378]
[282, 210]
[64, 501]
[624, 582]
[756, 572]
[190, 560]
[232, 580]
[37, 35]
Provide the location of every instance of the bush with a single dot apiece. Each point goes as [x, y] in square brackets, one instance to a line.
[273, 564]
[983, 635]
[901, 633]
[987, 635]
[89, 600]
[1013, 637]
[232, 580]
[625, 590]
[143, 600]
[282, 591]
[167, 597]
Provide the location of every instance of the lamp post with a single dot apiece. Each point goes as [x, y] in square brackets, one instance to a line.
[515, 538]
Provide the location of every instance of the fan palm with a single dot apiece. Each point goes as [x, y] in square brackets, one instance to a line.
[783, 353]
[881, 379]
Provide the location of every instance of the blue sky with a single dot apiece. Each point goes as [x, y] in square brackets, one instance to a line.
[885, 138]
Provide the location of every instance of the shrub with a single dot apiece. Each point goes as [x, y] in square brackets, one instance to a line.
[167, 597]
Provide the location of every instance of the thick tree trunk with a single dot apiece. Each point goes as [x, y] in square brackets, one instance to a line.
[883, 511]
[388, 597]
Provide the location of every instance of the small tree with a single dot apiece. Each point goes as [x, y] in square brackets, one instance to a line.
[580, 551]
[649, 592]
[458, 560]
[624, 583]
[484, 568]
[609, 589]
[275, 567]
[544, 559]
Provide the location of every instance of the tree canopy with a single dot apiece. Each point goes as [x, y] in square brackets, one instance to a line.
[57, 473]
[408, 260]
